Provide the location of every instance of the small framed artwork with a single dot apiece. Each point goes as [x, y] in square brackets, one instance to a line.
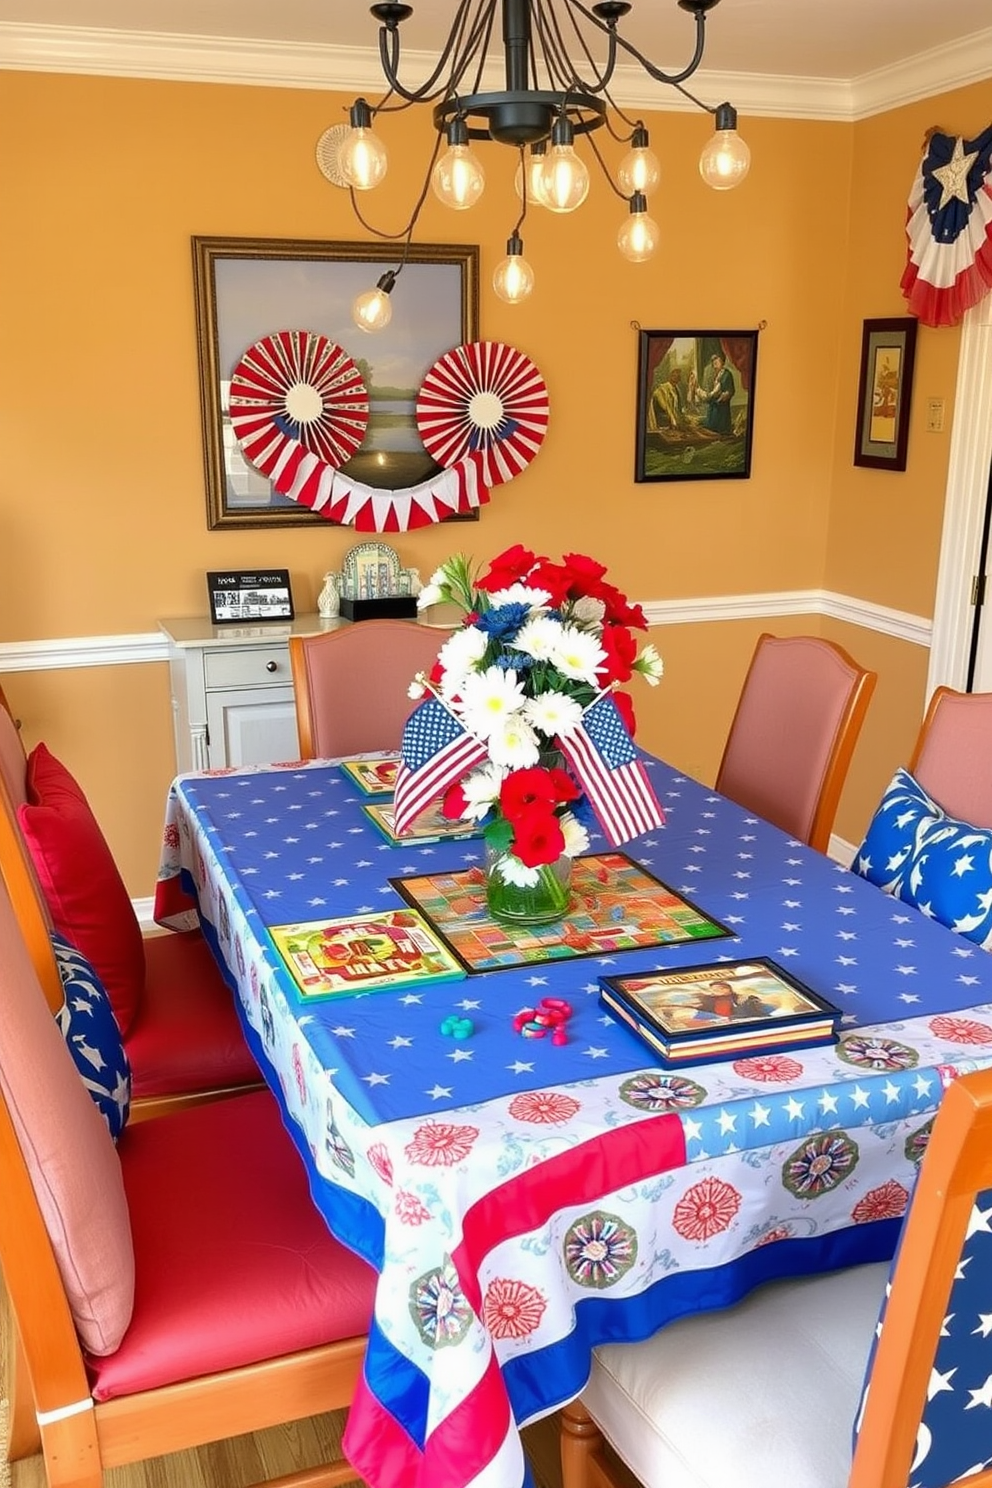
[699, 1014]
[695, 405]
[885, 384]
[237, 596]
[247, 290]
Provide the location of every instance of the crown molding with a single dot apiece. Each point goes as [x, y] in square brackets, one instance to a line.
[955, 65]
[120, 650]
[281, 64]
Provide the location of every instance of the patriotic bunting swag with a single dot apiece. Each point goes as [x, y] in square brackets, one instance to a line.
[300, 410]
[949, 229]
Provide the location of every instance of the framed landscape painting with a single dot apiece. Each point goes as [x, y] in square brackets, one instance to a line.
[249, 288]
[695, 405]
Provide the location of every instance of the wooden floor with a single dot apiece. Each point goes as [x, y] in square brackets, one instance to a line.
[246, 1460]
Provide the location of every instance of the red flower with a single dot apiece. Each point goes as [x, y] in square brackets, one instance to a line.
[621, 653]
[523, 789]
[537, 837]
[565, 787]
[509, 568]
[626, 710]
[454, 803]
[552, 577]
[585, 572]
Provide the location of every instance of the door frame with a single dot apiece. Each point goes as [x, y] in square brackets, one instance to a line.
[964, 507]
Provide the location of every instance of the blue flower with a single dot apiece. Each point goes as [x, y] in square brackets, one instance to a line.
[514, 661]
[503, 622]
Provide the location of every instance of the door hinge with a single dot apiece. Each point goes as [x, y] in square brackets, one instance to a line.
[978, 589]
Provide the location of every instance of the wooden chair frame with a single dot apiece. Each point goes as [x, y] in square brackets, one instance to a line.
[845, 738]
[957, 1166]
[80, 1437]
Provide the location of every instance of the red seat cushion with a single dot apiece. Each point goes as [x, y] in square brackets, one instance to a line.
[233, 1261]
[186, 1035]
[86, 896]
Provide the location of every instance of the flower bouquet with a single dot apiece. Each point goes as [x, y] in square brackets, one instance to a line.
[521, 721]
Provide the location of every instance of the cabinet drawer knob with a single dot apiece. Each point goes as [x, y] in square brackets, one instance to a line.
[271, 666]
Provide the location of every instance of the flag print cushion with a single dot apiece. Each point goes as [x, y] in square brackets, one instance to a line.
[936, 863]
[92, 1036]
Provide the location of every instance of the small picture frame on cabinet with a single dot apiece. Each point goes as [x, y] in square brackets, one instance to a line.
[236, 596]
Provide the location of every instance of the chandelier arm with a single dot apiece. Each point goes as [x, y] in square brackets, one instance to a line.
[601, 80]
[389, 57]
[672, 78]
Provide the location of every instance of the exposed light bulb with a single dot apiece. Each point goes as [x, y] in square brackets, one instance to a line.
[638, 235]
[639, 169]
[458, 178]
[564, 179]
[362, 159]
[535, 176]
[726, 159]
[513, 278]
[373, 310]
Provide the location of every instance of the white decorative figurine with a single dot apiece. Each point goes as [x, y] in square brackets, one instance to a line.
[329, 600]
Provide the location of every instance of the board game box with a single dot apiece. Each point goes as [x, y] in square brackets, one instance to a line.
[363, 953]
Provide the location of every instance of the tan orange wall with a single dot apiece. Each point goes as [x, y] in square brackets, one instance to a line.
[102, 519]
[885, 526]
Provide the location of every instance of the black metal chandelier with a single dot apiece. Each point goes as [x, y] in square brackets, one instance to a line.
[548, 101]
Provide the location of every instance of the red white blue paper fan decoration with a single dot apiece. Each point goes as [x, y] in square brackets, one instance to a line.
[337, 497]
[298, 404]
[484, 399]
[949, 229]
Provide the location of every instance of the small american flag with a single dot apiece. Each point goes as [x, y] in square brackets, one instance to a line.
[436, 751]
[602, 754]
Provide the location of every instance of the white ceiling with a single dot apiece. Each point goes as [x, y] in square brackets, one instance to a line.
[841, 43]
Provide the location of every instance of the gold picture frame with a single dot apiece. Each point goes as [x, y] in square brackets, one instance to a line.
[246, 288]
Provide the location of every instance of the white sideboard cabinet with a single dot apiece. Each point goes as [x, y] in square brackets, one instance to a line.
[232, 690]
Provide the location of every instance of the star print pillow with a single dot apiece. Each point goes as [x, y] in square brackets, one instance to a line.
[939, 865]
[90, 1030]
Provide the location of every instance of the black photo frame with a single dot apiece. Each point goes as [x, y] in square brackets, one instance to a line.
[695, 405]
[885, 388]
[237, 595]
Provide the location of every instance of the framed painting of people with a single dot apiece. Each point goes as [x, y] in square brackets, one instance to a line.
[885, 384]
[695, 405]
[266, 302]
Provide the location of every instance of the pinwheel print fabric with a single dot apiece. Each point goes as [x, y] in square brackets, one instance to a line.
[949, 229]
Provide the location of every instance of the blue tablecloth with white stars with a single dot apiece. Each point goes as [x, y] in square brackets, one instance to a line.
[524, 1201]
[295, 846]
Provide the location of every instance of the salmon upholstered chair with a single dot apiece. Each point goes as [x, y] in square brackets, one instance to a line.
[176, 1289]
[351, 684]
[952, 760]
[767, 1394]
[177, 1014]
[789, 748]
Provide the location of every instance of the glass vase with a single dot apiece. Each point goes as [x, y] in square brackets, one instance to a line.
[544, 902]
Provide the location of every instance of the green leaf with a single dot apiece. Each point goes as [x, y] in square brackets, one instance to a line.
[499, 835]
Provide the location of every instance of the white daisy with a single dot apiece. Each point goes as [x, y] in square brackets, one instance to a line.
[650, 665]
[510, 869]
[460, 656]
[578, 654]
[520, 594]
[553, 713]
[435, 590]
[417, 688]
[514, 744]
[575, 835]
[481, 790]
[538, 637]
[488, 699]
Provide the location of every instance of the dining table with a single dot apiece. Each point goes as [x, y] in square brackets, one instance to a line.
[526, 1199]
